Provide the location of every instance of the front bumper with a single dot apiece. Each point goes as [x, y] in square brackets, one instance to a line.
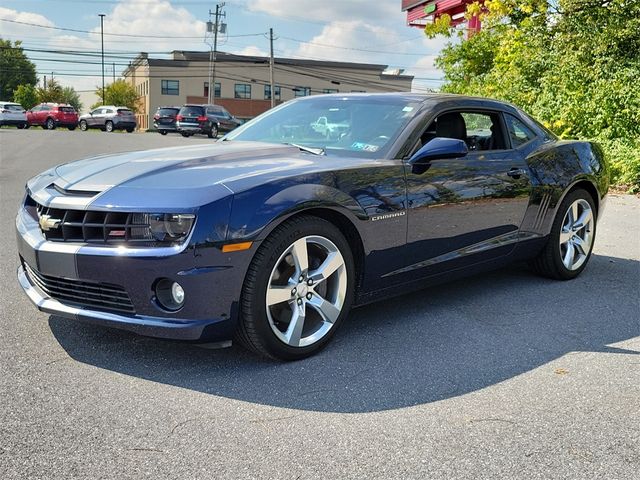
[212, 292]
[143, 325]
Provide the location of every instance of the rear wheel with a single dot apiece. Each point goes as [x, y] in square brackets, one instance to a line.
[72, 128]
[571, 240]
[83, 125]
[50, 124]
[20, 126]
[108, 126]
[162, 132]
[297, 291]
[129, 130]
[185, 134]
[213, 133]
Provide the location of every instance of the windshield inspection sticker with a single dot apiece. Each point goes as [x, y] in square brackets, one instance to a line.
[407, 109]
[365, 147]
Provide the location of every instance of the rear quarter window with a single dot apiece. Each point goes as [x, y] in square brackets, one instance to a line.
[125, 111]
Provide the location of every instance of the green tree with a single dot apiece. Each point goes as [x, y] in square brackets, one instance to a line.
[52, 93]
[15, 68]
[119, 93]
[573, 64]
[72, 97]
[26, 96]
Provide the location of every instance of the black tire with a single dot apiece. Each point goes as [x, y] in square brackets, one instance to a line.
[549, 262]
[162, 132]
[129, 130]
[20, 126]
[83, 125]
[50, 124]
[72, 128]
[254, 331]
[108, 126]
[185, 134]
[213, 133]
[26, 125]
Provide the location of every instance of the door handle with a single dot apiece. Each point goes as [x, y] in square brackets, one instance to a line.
[516, 172]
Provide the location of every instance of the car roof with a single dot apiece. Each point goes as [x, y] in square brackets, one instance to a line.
[425, 98]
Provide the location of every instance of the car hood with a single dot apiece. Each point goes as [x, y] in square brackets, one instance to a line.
[176, 177]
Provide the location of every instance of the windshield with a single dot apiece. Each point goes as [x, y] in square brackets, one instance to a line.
[359, 126]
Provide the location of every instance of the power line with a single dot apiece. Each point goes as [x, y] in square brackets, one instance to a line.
[119, 34]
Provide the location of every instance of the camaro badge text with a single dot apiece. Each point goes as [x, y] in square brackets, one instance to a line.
[388, 215]
[47, 223]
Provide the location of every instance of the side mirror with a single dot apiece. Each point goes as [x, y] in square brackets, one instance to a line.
[439, 148]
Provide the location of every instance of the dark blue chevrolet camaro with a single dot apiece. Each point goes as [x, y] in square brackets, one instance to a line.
[272, 234]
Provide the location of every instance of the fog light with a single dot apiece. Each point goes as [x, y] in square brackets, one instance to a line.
[170, 294]
[177, 293]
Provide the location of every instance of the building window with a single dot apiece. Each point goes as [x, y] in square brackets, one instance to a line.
[330, 90]
[302, 91]
[267, 92]
[242, 90]
[217, 89]
[170, 87]
[216, 92]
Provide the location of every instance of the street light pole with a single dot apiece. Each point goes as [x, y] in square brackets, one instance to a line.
[102, 15]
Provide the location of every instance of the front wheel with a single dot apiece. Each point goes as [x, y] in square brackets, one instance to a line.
[571, 240]
[129, 130]
[298, 290]
[162, 132]
[185, 134]
[50, 124]
[83, 125]
[72, 128]
[108, 126]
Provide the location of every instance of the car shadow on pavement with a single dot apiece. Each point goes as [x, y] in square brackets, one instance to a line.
[434, 344]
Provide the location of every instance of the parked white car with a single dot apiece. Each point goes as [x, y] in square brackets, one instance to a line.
[329, 129]
[12, 114]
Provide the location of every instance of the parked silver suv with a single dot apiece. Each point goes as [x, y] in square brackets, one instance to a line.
[109, 118]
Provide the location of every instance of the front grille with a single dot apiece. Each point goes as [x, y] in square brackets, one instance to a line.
[93, 226]
[96, 296]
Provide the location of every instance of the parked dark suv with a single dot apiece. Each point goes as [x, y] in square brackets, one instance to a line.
[165, 119]
[206, 119]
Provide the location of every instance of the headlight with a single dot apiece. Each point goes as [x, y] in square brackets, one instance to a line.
[162, 227]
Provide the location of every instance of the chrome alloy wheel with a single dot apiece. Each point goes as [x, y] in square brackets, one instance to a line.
[306, 291]
[576, 236]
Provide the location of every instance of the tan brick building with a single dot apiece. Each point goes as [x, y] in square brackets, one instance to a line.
[242, 82]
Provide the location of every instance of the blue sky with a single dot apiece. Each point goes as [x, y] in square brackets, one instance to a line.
[346, 30]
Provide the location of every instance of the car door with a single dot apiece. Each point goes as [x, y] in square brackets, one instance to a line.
[32, 117]
[465, 210]
[99, 117]
[41, 115]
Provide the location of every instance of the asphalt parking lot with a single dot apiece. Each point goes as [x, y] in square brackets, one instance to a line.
[502, 376]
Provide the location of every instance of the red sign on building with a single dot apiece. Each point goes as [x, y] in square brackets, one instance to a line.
[422, 12]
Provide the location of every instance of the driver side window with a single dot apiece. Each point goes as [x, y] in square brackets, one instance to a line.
[481, 131]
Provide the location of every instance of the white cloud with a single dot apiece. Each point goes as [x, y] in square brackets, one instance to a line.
[251, 50]
[314, 10]
[141, 17]
[16, 31]
[337, 40]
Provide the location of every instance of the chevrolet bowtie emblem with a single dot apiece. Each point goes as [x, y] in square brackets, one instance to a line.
[47, 223]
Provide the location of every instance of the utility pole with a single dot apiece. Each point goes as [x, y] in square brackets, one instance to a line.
[114, 71]
[102, 15]
[271, 83]
[214, 27]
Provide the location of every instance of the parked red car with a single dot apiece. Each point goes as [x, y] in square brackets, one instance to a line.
[52, 115]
